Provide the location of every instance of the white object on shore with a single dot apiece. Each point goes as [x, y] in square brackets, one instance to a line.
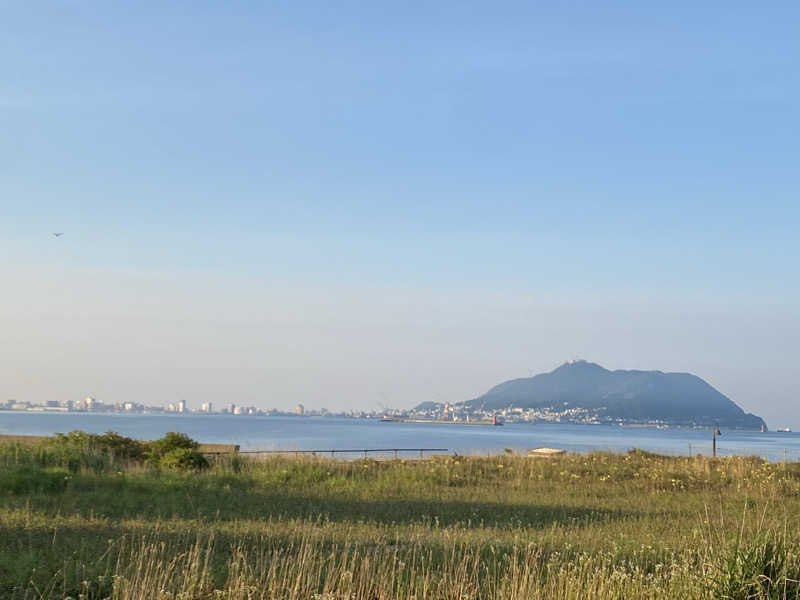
[546, 452]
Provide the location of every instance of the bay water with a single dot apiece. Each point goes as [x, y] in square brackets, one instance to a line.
[329, 433]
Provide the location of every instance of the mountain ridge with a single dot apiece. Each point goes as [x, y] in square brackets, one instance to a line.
[620, 395]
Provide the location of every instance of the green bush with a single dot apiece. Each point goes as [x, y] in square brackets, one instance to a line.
[75, 451]
[176, 451]
[172, 440]
[79, 449]
[183, 459]
[120, 446]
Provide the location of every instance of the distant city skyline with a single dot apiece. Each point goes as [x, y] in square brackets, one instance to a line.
[363, 204]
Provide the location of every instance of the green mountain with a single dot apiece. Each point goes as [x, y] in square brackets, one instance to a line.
[676, 398]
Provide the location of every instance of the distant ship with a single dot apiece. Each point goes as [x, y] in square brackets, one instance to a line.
[783, 430]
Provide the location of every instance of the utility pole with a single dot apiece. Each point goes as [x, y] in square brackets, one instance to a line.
[714, 435]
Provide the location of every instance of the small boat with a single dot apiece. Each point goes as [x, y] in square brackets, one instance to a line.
[783, 430]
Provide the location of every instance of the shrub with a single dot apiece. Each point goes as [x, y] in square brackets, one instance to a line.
[172, 440]
[80, 449]
[75, 451]
[120, 446]
[183, 459]
[176, 451]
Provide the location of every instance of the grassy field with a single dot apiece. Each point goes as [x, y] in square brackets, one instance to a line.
[576, 526]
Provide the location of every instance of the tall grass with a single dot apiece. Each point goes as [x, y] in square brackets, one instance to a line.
[594, 526]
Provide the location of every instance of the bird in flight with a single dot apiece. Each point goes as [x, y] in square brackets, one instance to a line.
[58, 234]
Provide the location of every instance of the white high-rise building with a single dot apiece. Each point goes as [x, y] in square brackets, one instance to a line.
[182, 406]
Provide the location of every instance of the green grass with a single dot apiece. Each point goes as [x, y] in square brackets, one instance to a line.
[592, 526]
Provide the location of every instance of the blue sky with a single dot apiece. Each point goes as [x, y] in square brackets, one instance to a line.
[622, 162]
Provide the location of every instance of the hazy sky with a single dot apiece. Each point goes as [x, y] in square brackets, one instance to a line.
[352, 203]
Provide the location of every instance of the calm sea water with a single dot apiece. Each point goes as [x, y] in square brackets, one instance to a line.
[299, 433]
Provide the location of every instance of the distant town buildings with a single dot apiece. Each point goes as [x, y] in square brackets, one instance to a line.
[87, 403]
[428, 411]
[90, 403]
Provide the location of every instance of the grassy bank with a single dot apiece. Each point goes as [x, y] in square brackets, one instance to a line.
[592, 526]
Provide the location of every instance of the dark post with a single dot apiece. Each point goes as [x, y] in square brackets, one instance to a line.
[714, 435]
